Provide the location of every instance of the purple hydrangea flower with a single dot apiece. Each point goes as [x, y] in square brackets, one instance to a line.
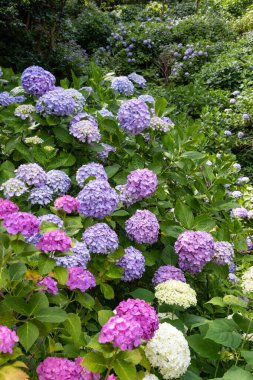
[143, 227]
[233, 278]
[223, 252]
[90, 170]
[232, 267]
[54, 241]
[100, 238]
[56, 102]
[239, 212]
[240, 135]
[237, 166]
[147, 99]
[195, 249]
[141, 183]
[58, 181]
[138, 79]
[31, 174]
[125, 195]
[227, 133]
[6, 99]
[53, 368]
[41, 196]
[134, 116]
[242, 180]
[37, 81]
[168, 120]
[80, 257]
[103, 155]
[79, 278]
[78, 99]
[105, 113]
[13, 187]
[22, 222]
[122, 85]
[84, 116]
[34, 239]
[236, 194]
[133, 264]
[7, 208]
[245, 116]
[249, 241]
[67, 203]
[168, 272]
[158, 124]
[8, 338]
[49, 285]
[52, 218]
[85, 131]
[97, 199]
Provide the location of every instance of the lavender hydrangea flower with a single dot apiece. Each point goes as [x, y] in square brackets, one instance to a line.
[79, 278]
[90, 170]
[84, 116]
[158, 124]
[125, 195]
[97, 199]
[103, 155]
[22, 222]
[236, 194]
[80, 257]
[8, 338]
[78, 99]
[80, 248]
[141, 183]
[37, 81]
[239, 212]
[7, 207]
[240, 135]
[49, 285]
[242, 180]
[6, 99]
[13, 187]
[227, 133]
[168, 120]
[24, 111]
[52, 218]
[168, 272]
[223, 252]
[31, 174]
[143, 227]
[245, 116]
[85, 131]
[100, 238]
[147, 99]
[237, 166]
[133, 264]
[138, 79]
[55, 240]
[134, 116]
[105, 113]
[233, 278]
[41, 196]
[122, 85]
[249, 241]
[58, 181]
[34, 239]
[195, 249]
[56, 102]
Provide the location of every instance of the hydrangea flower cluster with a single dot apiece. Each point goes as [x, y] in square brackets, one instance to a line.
[195, 249]
[13, 187]
[41, 196]
[147, 99]
[79, 278]
[8, 338]
[85, 131]
[138, 79]
[168, 272]
[31, 174]
[7, 208]
[150, 376]
[239, 212]
[24, 111]
[56, 102]
[158, 124]
[37, 81]
[78, 99]
[52, 218]
[141, 183]
[22, 222]
[34, 140]
[105, 113]
[100, 239]
[134, 116]
[247, 281]
[90, 170]
[49, 285]
[125, 195]
[6, 99]
[58, 369]
[76, 260]
[223, 252]
[58, 181]
[85, 373]
[133, 264]
[143, 227]
[54, 241]
[67, 203]
[174, 292]
[122, 85]
[84, 116]
[97, 199]
[168, 351]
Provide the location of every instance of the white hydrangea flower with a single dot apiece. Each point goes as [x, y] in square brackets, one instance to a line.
[174, 292]
[247, 281]
[149, 376]
[168, 351]
[35, 140]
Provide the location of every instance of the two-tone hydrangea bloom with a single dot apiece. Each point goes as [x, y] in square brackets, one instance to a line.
[54, 241]
[85, 131]
[85, 373]
[37, 81]
[141, 312]
[31, 174]
[168, 272]
[143, 227]
[123, 332]
[67, 203]
[51, 218]
[141, 183]
[239, 212]
[34, 140]
[58, 181]
[24, 111]
[53, 368]
[41, 196]
[49, 285]
[13, 187]
[78, 99]
[175, 292]
[158, 124]
[84, 116]
[134, 116]
[133, 264]
[223, 252]
[138, 79]
[147, 99]
[97, 199]
[103, 154]
[195, 249]
[7, 208]
[242, 180]
[237, 166]
[22, 222]
[122, 85]
[79, 278]
[105, 113]
[56, 102]
[90, 170]
[101, 239]
[34, 239]
[168, 351]
[8, 338]
[125, 195]
[247, 281]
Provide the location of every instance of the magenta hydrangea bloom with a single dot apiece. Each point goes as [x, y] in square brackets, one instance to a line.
[112, 377]
[168, 272]
[143, 227]
[67, 203]
[80, 278]
[134, 116]
[49, 285]
[141, 183]
[85, 373]
[8, 338]
[7, 208]
[90, 170]
[100, 238]
[37, 81]
[22, 222]
[31, 174]
[141, 312]
[53, 368]
[133, 264]
[54, 241]
[223, 252]
[195, 249]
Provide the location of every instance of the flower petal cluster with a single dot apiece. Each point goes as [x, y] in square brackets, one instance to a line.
[138, 79]
[53, 368]
[97, 199]
[141, 183]
[168, 272]
[24, 111]
[150, 376]
[223, 252]
[52, 218]
[41, 196]
[37, 81]
[84, 116]
[22, 222]
[34, 140]
[76, 260]
[195, 249]
[54, 241]
[174, 292]
[58, 181]
[247, 281]
[8, 338]
[105, 113]
[158, 124]
[13, 187]
[78, 99]
[100, 238]
[168, 351]
[143, 227]
[125, 195]
[147, 99]
[103, 154]
[56, 102]
[49, 285]
[7, 208]
[85, 131]
[31, 174]
[134, 116]
[90, 170]
[133, 264]
[85, 373]
[67, 203]
[122, 85]
[79, 278]
[239, 212]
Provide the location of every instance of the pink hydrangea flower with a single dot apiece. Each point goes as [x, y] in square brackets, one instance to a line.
[80, 278]
[112, 377]
[53, 368]
[54, 241]
[22, 222]
[8, 338]
[7, 207]
[67, 203]
[86, 374]
[49, 285]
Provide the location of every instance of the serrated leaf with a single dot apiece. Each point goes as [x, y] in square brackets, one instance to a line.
[107, 291]
[184, 215]
[73, 327]
[223, 331]
[204, 347]
[218, 301]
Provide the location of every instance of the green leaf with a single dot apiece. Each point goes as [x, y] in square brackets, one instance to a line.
[203, 223]
[190, 376]
[112, 170]
[45, 265]
[235, 373]
[38, 301]
[17, 271]
[104, 316]
[120, 213]
[95, 362]
[245, 324]
[184, 215]
[124, 370]
[85, 300]
[61, 275]
[143, 294]
[133, 357]
[248, 356]
[234, 301]
[114, 272]
[107, 291]
[223, 331]
[193, 155]
[64, 159]
[17, 304]
[47, 226]
[51, 314]
[160, 106]
[28, 333]
[204, 347]
[62, 134]
[73, 327]
[218, 301]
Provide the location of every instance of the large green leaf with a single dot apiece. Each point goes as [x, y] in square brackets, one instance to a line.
[38, 301]
[51, 314]
[244, 323]
[248, 356]
[204, 347]
[28, 333]
[17, 304]
[124, 370]
[143, 294]
[73, 327]
[104, 315]
[223, 331]
[236, 373]
[17, 271]
[107, 291]
[184, 215]
[95, 362]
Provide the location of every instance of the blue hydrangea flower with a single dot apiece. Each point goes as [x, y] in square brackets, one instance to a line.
[134, 116]
[123, 86]
[103, 155]
[90, 170]
[100, 239]
[13, 187]
[56, 102]
[78, 99]
[80, 257]
[34, 239]
[84, 116]
[6, 99]
[37, 81]
[41, 196]
[105, 113]
[58, 181]
[52, 218]
[138, 79]
[31, 174]
[133, 264]
[147, 99]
